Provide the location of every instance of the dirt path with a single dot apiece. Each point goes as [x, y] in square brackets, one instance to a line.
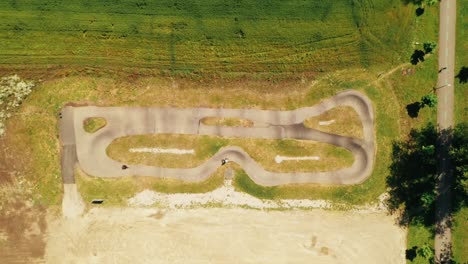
[136, 235]
[388, 73]
[124, 121]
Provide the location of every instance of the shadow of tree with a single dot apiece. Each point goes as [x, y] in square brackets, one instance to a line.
[413, 174]
[413, 109]
[463, 75]
[417, 56]
[419, 11]
[411, 253]
[414, 2]
[412, 179]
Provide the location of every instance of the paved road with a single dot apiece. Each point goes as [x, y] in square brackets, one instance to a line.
[124, 121]
[68, 157]
[445, 122]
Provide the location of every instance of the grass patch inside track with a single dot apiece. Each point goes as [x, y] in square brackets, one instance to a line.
[263, 151]
[228, 121]
[343, 121]
[93, 124]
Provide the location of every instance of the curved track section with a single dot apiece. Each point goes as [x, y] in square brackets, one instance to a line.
[126, 121]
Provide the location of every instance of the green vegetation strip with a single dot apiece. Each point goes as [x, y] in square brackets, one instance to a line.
[261, 150]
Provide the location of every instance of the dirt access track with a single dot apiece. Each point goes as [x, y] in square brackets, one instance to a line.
[90, 149]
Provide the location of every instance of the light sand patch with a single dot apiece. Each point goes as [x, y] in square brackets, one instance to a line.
[225, 195]
[137, 235]
[326, 123]
[72, 203]
[163, 151]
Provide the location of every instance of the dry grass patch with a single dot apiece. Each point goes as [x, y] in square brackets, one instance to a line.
[93, 124]
[343, 120]
[263, 151]
[229, 121]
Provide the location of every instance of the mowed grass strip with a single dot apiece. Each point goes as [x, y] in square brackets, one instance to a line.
[216, 36]
[263, 151]
[346, 122]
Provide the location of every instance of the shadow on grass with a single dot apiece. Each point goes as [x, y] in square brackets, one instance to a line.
[419, 11]
[417, 56]
[463, 75]
[411, 253]
[413, 109]
[414, 2]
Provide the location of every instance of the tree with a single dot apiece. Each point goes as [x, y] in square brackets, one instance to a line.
[429, 100]
[430, 2]
[426, 251]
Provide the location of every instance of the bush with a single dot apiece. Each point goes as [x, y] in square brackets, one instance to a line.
[429, 46]
[429, 100]
[13, 91]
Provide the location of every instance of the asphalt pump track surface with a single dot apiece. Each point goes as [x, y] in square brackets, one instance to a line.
[89, 149]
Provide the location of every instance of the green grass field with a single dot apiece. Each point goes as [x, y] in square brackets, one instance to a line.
[216, 36]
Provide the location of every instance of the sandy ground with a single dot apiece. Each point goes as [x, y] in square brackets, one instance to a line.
[216, 235]
[72, 203]
[226, 196]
